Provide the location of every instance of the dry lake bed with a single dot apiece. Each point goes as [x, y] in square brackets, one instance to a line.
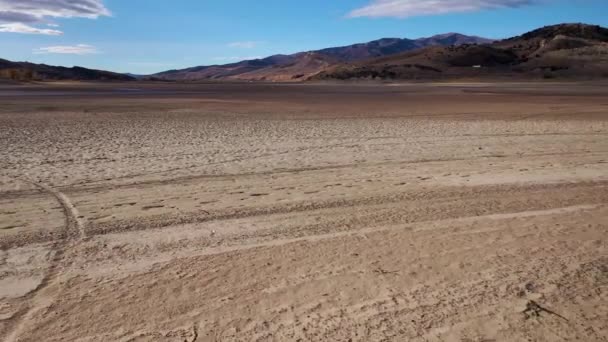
[304, 212]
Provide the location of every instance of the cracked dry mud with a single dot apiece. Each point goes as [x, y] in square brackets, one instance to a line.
[418, 212]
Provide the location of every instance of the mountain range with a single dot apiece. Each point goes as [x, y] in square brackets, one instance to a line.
[558, 51]
[303, 65]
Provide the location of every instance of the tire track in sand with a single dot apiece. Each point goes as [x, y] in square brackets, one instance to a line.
[74, 234]
[74, 225]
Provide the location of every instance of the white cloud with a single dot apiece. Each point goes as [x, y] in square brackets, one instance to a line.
[410, 8]
[23, 28]
[80, 49]
[39, 9]
[18, 16]
[243, 45]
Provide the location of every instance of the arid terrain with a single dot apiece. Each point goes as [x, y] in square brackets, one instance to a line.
[304, 212]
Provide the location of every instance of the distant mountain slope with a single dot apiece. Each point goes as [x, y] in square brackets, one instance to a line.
[390, 46]
[300, 67]
[565, 50]
[24, 71]
[303, 65]
[225, 71]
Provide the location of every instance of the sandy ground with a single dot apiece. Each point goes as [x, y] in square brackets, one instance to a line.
[418, 212]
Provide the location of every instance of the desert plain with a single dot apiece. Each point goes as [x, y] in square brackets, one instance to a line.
[304, 212]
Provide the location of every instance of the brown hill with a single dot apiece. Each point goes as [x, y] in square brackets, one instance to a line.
[24, 71]
[566, 50]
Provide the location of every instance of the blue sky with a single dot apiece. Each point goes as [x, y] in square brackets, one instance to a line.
[146, 36]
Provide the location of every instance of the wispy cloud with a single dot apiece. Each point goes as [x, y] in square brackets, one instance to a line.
[23, 28]
[80, 49]
[20, 16]
[152, 64]
[236, 58]
[411, 8]
[244, 45]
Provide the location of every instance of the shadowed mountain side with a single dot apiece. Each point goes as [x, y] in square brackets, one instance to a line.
[24, 71]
